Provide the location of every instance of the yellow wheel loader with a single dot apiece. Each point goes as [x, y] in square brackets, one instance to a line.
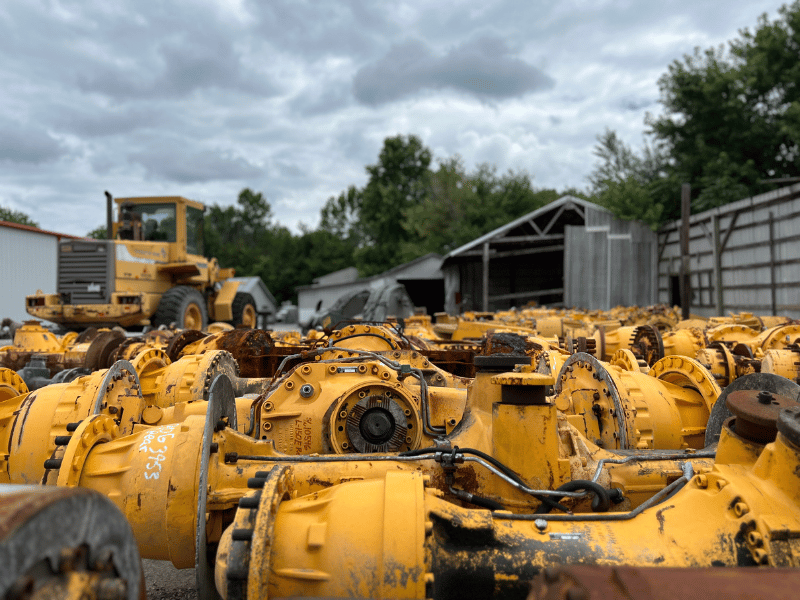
[151, 271]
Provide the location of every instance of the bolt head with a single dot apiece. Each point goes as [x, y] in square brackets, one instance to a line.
[764, 397]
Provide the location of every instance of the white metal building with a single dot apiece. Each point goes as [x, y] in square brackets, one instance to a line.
[28, 264]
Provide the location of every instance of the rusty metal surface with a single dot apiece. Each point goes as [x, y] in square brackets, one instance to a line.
[66, 543]
[510, 343]
[757, 413]
[178, 342]
[647, 344]
[98, 356]
[754, 381]
[585, 582]
[250, 348]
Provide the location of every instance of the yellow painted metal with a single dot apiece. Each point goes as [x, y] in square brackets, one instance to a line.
[778, 337]
[749, 513]
[784, 362]
[63, 352]
[11, 384]
[249, 316]
[134, 471]
[683, 342]
[155, 474]
[155, 339]
[609, 342]
[695, 322]
[148, 360]
[627, 360]
[318, 408]
[687, 373]
[551, 361]
[224, 299]
[731, 333]
[143, 272]
[32, 336]
[186, 380]
[374, 338]
[30, 424]
[475, 330]
[533, 427]
[219, 327]
[619, 408]
[726, 366]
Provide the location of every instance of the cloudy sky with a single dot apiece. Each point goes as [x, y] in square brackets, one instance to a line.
[292, 98]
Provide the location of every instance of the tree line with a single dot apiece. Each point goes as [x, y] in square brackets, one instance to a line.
[730, 127]
[406, 209]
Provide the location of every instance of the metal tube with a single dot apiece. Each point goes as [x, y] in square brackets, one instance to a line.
[688, 473]
[331, 458]
[109, 216]
[638, 457]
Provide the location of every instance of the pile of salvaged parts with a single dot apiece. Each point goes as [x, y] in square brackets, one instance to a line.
[463, 457]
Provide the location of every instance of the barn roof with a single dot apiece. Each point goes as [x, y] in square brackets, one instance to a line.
[535, 226]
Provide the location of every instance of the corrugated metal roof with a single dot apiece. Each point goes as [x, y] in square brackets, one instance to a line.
[37, 230]
[500, 231]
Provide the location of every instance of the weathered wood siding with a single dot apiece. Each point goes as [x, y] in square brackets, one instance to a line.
[758, 243]
[609, 262]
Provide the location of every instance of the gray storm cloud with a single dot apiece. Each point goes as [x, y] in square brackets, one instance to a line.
[176, 69]
[483, 68]
[27, 144]
[192, 167]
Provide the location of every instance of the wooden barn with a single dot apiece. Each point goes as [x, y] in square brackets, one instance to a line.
[570, 252]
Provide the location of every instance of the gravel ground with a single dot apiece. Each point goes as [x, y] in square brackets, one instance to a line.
[165, 582]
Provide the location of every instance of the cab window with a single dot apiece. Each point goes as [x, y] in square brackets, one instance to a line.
[194, 231]
[158, 221]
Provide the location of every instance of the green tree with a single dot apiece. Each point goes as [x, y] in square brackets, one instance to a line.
[731, 118]
[397, 182]
[16, 216]
[98, 233]
[630, 185]
[341, 215]
[243, 236]
[461, 206]
[406, 209]
[236, 235]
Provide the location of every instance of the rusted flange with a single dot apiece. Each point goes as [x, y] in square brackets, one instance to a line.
[648, 344]
[66, 542]
[757, 413]
[774, 384]
[180, 341]
[99, 353]
[221, 404]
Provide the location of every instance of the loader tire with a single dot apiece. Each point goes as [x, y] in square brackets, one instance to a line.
[244, 311]
[184, 306]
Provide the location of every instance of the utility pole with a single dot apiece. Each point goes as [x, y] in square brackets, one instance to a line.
[686, 291]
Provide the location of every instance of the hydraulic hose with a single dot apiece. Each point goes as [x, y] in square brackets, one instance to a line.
[600, 503]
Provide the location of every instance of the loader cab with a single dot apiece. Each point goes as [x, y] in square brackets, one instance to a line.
[174, 220]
